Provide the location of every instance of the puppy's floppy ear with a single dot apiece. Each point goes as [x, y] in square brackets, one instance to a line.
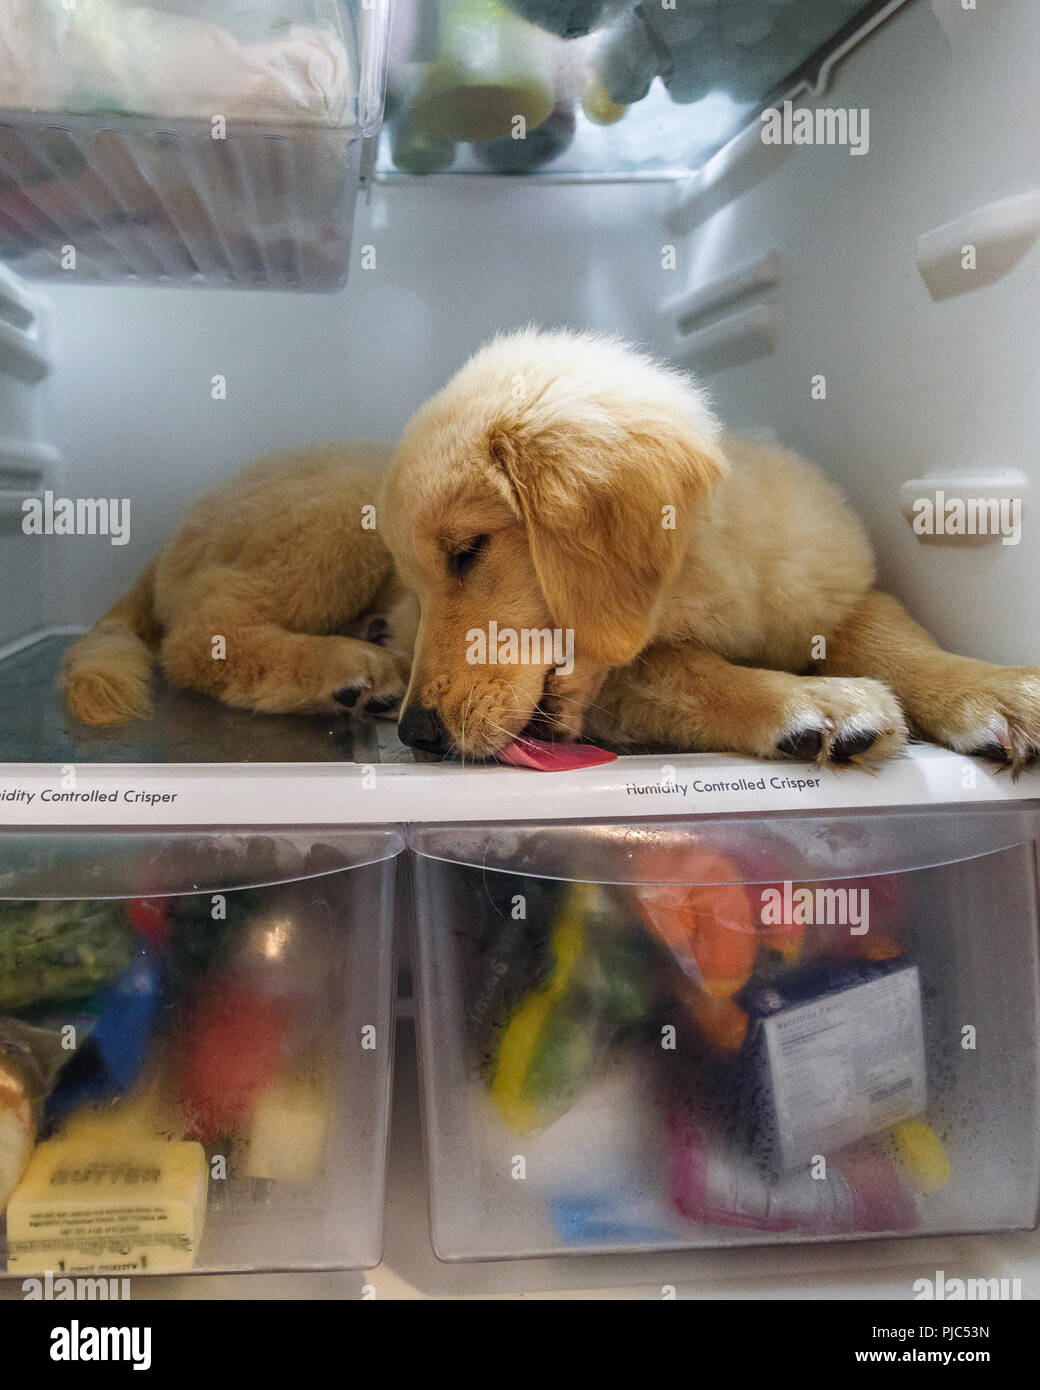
[606, 511]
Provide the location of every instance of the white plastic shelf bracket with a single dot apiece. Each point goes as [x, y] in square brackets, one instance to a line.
[979, 248]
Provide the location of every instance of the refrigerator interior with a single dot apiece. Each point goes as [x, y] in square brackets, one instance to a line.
[762, 269]
[914, 386]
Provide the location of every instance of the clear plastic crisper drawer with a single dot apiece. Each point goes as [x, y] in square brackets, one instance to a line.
[705, 1033]
[195, 1050]
[186, 141]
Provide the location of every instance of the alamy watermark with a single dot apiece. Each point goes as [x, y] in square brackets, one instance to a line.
[81, 1342]
[61, 1287]
[943, 1290]
[821, 125]
[77, 516]
[936, 514]
[525, 646]
[785, 905]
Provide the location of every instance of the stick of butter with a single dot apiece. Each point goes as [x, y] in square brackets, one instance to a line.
[108, 1196]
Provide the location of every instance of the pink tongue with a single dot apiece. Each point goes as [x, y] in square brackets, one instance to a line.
[552, 757]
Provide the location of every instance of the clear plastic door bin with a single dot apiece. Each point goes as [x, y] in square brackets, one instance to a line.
[186, 141]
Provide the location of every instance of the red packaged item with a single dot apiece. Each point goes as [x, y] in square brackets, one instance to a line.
[232, 1054]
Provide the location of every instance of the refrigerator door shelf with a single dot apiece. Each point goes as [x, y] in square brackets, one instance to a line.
[186, 144]
[606, 91]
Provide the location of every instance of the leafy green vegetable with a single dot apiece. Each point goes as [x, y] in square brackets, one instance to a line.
[60, 950]
[198, 939]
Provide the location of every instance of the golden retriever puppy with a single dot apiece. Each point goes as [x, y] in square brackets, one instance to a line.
[263, 598]
[565, 494]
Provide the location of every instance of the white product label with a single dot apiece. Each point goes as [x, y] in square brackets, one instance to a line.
[847, 1065]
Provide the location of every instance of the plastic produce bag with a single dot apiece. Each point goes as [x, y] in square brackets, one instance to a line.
[59, 950]
[597, 986]
[29, 1060]
[112, 55]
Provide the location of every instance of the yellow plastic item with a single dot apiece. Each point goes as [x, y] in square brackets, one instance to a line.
[922, 1153]
[288, 1126]
[493, 68]
[598, 106]
[108, 1196]
[524, 1029]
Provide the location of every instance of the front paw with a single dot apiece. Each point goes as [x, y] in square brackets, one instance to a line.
[566, 699]
[370, 627]
[987, 711]
[839, 722]
[375, 687]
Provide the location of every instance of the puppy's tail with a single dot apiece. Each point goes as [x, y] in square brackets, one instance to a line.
[105, 673]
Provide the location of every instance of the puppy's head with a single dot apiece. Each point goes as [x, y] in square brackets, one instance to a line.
[538, 507]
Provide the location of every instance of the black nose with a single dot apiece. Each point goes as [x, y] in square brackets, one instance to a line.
[422, 727]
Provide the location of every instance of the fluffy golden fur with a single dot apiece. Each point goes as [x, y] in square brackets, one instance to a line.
[719, 593]
[281, 564]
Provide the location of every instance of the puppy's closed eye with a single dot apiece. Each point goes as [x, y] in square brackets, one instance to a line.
[462, 559]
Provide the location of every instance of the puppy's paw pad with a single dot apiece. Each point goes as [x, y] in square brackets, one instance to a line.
[996, 716]
[1012, 746]
[850, 744]
[805, 745]
[992, 752]
[378, 632]
[383, 706]
[841, 723]
[349, 694]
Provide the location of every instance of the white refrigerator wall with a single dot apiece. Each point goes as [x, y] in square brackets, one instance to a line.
[132, 398]
[913, 386]
[26, 462]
